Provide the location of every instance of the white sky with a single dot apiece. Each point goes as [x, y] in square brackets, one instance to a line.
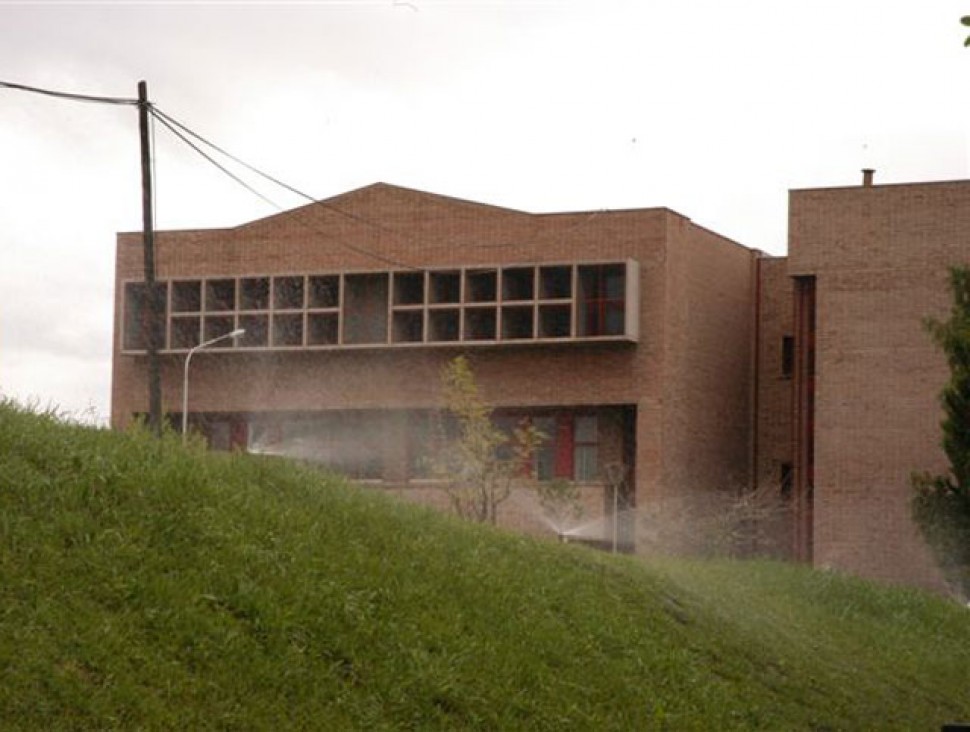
[711, 108]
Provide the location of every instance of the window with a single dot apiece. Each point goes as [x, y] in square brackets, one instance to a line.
[570, 448]
[521, 303]
[480, 285]
[787, 355]
[254, 293]
[545, 457]
[349, 442]
[220, 295]
[786, 480]
[365, 308]
[428, 433]
[324, 291]
[408, 288]
[136, 316]
[602, 300]
[445, 287]
[186, 296]
[518, 283]
[288, 293]
[555, 283]
[585, 448]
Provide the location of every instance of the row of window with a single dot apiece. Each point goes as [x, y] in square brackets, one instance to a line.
[355, 443]
[535, 302]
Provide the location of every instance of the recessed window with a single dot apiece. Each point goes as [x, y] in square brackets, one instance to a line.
[257, 331]
[136, 316]
[216, 327]
[408, 326]
[787, 355]
[321, 329]
[518, 283]
[288, 293]
[480, 324]
[517, 322]
[443, 325]
[254, 293]
[555, 283]
[786, 480]
[481, 285]
[288, 330]
[186, 332]
[445, 287]
[408, 288]
[601, 300]
[585, 448]
[186, 296]
[324, 291]
[365, 308]
[481, 303]
[554, 321]
[220, 295]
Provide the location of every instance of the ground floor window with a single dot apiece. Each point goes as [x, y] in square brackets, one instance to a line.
[348, 442]
[372, 445]
[570, 449]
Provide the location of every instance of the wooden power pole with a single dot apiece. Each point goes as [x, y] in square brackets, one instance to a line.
[153, 306]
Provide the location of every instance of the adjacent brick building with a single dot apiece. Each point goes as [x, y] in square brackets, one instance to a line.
[646, 347]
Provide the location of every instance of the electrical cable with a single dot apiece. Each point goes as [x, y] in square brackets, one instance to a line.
[272, 179]
[68, 95]
[215, 162]
[175, 126]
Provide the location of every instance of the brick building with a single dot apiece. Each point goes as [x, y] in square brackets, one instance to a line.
[643, 345]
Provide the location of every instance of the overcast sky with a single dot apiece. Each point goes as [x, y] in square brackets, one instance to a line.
[710, 108]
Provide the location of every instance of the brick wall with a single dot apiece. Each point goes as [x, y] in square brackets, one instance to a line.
[774, 397]
[688, 376]
[880, 255]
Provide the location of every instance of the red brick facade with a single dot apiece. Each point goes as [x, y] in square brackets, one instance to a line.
[690, 388]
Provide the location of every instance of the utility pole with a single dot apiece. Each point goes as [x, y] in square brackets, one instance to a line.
[154, 308]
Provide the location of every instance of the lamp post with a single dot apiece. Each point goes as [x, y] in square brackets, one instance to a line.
[185, 379]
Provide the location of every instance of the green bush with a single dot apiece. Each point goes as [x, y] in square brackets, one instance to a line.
[941, 505]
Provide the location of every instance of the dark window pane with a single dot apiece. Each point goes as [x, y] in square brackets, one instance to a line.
[220, 295]
[288, 330]
[445, 287]
[186, 296]
[186, 332]
[322, 329]
[518, 283]
[288, 293]
[254, 293]
[408, 288]
[217, 326]
[480, 324]
[324, 291]
[257, 331]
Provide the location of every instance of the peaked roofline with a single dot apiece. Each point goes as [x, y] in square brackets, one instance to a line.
[334, 202]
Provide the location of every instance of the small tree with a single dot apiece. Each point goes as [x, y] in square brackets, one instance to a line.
[941, 506]
[482, 461]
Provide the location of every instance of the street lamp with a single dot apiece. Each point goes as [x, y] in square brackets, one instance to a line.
[185, 379]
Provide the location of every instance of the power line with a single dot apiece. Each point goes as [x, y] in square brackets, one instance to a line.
[165, 122]
[68, 95]
[177, 128]
[183, 132]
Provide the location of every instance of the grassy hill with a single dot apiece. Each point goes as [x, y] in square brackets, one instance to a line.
[147, 586]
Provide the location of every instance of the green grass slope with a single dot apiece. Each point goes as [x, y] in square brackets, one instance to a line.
[147, 586]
